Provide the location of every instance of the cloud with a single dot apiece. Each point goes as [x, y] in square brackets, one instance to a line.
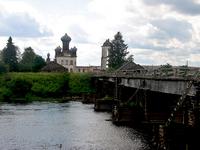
[172, 28]
[78, 33]
[21, 24]
[147, 46]
[189, 7]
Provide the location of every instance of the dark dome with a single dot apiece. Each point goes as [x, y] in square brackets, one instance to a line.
[107, 43]
[66, 38]
[58, 48]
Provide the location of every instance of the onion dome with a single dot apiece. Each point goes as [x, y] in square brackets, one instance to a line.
[66, 38]
[58, 49]
[107, 43]
[74, 49]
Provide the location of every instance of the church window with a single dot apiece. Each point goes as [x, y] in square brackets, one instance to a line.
[61, 62]
[66, 62]
[71, 62]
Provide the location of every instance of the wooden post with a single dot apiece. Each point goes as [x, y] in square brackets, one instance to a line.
[116, 88]
[161, 137]
[145, 105]
[197, 103]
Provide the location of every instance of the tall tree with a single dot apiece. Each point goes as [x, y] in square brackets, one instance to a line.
[9, 55]
[28, 56]
[38, 63]
[118, 52]
[31, 61]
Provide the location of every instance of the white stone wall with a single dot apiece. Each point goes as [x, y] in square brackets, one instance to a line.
[104, 57]
[68, 62]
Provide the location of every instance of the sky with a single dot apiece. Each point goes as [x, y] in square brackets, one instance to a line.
[156, 31]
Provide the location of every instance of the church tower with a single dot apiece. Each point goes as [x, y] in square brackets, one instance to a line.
[104, 55]
[65, 40]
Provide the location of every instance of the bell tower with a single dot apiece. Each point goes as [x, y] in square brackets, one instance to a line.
[104, 55]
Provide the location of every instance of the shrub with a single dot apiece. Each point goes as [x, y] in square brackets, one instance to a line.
[80, 83]
[19, 87]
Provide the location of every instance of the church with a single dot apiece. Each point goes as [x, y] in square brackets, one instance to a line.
[66, 59]
[66, 56]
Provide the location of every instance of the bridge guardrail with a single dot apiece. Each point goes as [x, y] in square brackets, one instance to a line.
[148, 74]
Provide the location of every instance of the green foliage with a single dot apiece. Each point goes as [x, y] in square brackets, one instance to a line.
[28, 55]
[3, 68]
[38, 63]
[26, 64]
[5, 94]
[19, 86]
[167, 69]
[9, 56]
[183, 70]
[30, 61]
[28, 85]
[15, 87]
[80, 83]
[117, 52]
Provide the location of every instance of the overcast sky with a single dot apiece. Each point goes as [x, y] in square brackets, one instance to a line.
[156, 31]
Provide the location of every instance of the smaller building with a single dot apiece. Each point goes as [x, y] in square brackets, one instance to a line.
[131, 67]
[88, 69]
[53, 67]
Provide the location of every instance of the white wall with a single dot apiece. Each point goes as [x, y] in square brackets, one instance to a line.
[67, 62]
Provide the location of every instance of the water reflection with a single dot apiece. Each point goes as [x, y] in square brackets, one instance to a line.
[72, 125]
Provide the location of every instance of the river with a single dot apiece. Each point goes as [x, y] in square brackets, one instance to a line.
[56, 126]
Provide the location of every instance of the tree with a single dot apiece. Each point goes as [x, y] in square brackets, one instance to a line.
[3, 67]
[167, 70]
[183, 70]
[9, 55]
[117, 52]
[38, 63]
[0, 56]
[31, 61]
[130, 58]
[28, 56]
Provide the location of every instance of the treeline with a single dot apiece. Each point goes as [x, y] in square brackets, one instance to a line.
[11, 60]
[27, 87]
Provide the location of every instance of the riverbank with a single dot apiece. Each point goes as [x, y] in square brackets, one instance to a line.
[29, 87]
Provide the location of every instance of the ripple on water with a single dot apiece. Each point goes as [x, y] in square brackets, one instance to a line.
[70, 125]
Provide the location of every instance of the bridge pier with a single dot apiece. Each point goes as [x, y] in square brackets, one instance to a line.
[159, 101]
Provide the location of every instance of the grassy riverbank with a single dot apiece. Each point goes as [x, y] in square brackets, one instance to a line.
[27, 87]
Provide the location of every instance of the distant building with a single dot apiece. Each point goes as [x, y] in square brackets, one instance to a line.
[65, 56]
[104, 54]
[130, 67]
[53, 67]
[88, 69]
[65, 60]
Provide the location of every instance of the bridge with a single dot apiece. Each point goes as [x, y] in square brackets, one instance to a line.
[166, 99]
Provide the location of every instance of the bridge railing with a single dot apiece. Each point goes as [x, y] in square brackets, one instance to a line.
[148, 74]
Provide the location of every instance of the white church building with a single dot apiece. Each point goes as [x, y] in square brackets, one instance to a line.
[66, 56]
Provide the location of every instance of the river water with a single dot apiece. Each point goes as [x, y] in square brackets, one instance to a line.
[55, 126]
